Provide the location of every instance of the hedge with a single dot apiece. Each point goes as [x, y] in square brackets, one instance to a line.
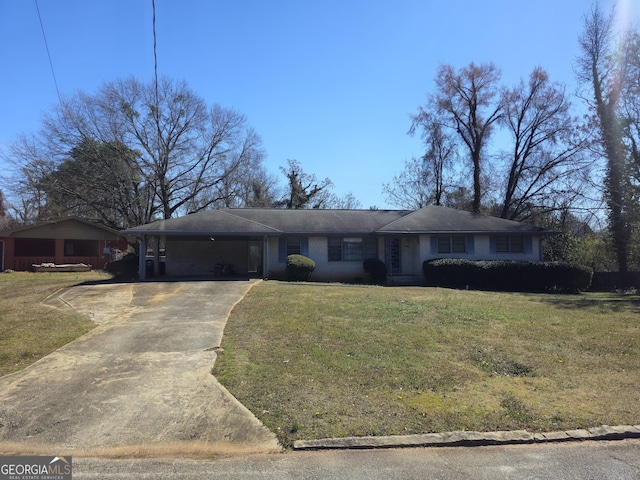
[507, 276]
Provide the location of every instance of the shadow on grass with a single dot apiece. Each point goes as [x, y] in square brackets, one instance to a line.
[609, 302]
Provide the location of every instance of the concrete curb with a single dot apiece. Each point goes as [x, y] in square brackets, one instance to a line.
[467, 439]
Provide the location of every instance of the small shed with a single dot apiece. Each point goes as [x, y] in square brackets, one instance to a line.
[68, 241]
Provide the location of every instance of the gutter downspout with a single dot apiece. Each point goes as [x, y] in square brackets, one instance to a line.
[2, 259]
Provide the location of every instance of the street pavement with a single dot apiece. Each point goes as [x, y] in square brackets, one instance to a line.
[582, 460]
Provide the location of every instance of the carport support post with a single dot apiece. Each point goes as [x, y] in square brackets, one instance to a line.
[156, 258]
[142, 254]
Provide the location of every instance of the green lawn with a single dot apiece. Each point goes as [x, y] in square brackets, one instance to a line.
[29, 330]
[316, 360]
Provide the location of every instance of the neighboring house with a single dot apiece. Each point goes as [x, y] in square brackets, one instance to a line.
[257, 241]
[65, 241]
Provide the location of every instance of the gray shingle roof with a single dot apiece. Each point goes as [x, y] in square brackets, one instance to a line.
[11, 231]
[268, 221]
[434, 219]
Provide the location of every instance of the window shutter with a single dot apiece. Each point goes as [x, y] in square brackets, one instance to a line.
[528, 246]
[434, 245]
[282, 249]
[304, 246]
[470, 245]
[493, 245]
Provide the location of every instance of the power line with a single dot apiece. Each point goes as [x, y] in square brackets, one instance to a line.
[44, 36]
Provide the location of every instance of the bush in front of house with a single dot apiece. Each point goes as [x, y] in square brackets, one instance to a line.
[299, 268]
[376, 269]
[124, 269]
[507, 276]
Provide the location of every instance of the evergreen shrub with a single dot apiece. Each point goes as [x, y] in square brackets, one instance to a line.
[124, 269]
[299, 268]
[376, 269]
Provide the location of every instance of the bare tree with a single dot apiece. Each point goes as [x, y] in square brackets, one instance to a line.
[440, 150]
[28, 157]
[248, 186]
[258, 188]
[188, 148]
[3, 212]
[602, 67]
[459, 197]
[544, 156]
[630, 111]
[5, 218]
[346, 202]
[184, 150]
[414, 187]
[468, 103]
[304, 190]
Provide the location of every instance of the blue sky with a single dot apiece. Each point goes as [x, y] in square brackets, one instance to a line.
[329, 83]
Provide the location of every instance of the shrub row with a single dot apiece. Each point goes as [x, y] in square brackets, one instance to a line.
[507, 276]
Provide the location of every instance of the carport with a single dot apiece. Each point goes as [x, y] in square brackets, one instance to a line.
[219, 245]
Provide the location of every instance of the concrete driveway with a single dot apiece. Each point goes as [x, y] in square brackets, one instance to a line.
[138, 384]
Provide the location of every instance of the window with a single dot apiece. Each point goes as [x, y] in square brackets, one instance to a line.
[292, 246]
[509, 244]
[34, 247]
[453, 244]
[334, 249]
[444, 244]
[81, 248]
[351, 249]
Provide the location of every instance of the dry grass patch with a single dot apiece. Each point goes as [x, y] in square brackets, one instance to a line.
[30, 330]
[315, 361]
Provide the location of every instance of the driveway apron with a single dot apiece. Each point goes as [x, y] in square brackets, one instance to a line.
[140, 380]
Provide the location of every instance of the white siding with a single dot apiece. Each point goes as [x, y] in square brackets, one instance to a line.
[415, 249]
[482, 250]
[336, 271]
[325, 270]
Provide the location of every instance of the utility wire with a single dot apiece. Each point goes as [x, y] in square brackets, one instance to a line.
[53, 73]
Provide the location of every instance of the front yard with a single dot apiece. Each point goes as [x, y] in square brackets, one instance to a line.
[315, 360]
[30, 330]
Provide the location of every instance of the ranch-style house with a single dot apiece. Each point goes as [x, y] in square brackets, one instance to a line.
[255, 242]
